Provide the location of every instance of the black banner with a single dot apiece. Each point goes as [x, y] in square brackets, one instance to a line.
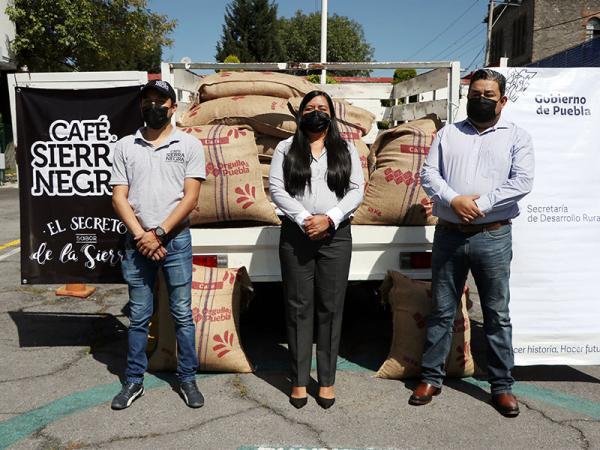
[69, 231]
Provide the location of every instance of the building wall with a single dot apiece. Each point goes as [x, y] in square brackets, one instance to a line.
[504, 40]
[543, 34]
[550, 34]
[7, 34]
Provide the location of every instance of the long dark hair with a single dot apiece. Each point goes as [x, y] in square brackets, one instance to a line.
[296, 165]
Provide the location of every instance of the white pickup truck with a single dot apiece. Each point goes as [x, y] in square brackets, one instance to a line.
[376, 249]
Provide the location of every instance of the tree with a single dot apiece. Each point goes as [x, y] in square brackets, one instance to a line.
[301, 38]
[231, 59]
[403, 75]
[250, 32]
[62, 35]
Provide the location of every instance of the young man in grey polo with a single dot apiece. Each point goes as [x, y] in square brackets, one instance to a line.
[156, 178]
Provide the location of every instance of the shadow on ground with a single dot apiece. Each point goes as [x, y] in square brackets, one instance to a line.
[366, 336]
[104, 334]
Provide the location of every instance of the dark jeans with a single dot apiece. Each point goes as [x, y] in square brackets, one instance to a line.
[488, 254]
[315, 276]
[140, 274]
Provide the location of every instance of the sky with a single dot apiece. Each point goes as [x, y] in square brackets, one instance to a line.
[398, 30]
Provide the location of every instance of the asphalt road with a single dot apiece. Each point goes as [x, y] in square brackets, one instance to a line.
[61, 358]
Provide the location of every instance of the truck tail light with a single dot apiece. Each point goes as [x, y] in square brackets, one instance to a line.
[210, 260]
[420, 260]
[415, 260]
[205, 260]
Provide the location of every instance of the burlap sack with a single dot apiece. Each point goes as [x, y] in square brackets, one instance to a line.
[265, 160]
[231, 84]
[266, 115]
[217, 298]
[363, 153]
[411, 303]
[265, 167]
[233, 190]
[266, 144]
[266, 186]
[350, 118]
[394, 195]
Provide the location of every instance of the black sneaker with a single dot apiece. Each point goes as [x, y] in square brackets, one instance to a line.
[191, 394]
[128, 394]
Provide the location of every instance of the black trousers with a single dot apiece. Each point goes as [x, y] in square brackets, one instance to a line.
[315, 276]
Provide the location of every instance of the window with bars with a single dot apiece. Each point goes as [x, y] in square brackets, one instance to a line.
[497, 50]
[519, 28]
[593, 28]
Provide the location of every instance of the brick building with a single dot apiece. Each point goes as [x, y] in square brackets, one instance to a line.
[530, 30]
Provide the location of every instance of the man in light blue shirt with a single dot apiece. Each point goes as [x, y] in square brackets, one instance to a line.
[476, 172]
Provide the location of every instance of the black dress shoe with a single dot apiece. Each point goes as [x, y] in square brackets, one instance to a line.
[298, 402]
[325, 403]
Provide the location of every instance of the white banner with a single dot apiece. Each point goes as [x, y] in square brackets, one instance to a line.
[555, 280]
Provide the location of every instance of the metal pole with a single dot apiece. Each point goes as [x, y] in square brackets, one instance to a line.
[323, 39]
[453, 91]
[488, 45]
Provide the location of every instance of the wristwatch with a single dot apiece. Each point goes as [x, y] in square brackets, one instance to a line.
[331, 228]
[160, 233]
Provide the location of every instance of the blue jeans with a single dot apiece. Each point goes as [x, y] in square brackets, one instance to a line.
[140, 274]
[488, 254]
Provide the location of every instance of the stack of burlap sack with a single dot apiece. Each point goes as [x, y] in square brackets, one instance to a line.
[240, 118]
[394, 195]
[218, 296]
[411, 303]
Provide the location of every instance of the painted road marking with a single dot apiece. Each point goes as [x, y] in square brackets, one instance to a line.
[10, 244]
[10, 253]
[246, 447]
[18, 428]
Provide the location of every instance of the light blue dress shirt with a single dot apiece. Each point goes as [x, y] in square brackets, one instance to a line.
[496, 164]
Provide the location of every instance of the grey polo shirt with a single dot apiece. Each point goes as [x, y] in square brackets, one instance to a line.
[155, 175]
[319, 199]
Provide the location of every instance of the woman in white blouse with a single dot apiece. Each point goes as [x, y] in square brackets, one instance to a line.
[317, 182]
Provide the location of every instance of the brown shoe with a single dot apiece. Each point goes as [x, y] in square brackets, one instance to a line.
[506, 404]
[423, 394]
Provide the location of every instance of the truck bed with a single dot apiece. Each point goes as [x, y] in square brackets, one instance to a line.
[376, 249]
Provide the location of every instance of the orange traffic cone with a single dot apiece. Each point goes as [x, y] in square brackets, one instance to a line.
[76, 290]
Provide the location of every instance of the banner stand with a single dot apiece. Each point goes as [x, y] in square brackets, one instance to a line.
[76, 290]
[67, 137]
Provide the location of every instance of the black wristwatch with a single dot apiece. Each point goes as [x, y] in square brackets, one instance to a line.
[331, 228]
[160, 233]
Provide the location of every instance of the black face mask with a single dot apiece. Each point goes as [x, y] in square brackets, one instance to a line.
[481, 109]
[155, 116]
[315, 121]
